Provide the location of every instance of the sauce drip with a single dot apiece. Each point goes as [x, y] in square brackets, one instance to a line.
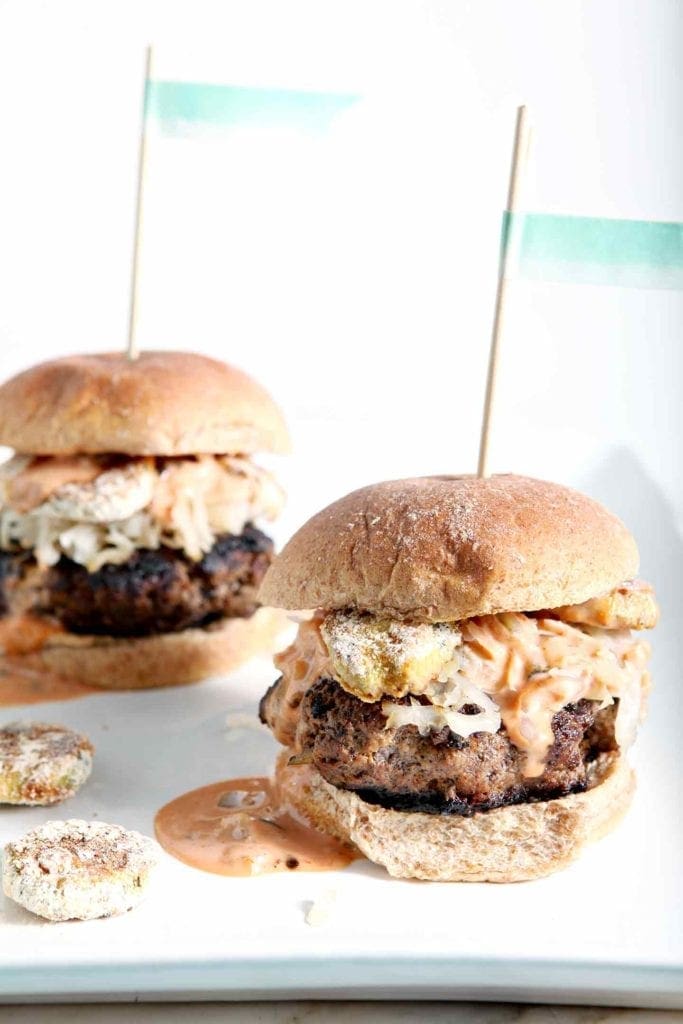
[23, 686]
[21, 635]
[300, 665]
[240, 828]
[24, 633]
[35, 482]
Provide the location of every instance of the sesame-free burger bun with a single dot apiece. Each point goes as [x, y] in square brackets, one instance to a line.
[507, 844]
[166, 659]
[444, 548]
[162, 403]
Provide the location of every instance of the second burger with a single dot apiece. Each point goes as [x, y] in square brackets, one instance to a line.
[130, 554]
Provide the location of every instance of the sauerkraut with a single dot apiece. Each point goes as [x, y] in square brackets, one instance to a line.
[144, 503]
[432, 718]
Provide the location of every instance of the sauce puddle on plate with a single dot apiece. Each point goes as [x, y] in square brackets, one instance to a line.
[239, 828]
[24, 686]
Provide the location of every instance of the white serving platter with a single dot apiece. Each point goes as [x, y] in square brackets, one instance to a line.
[607, 930]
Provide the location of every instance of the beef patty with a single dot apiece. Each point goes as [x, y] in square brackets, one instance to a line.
[159, 591]
[441, 773]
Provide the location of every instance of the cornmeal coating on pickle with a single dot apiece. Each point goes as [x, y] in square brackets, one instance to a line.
[78, 870]
[42, 764]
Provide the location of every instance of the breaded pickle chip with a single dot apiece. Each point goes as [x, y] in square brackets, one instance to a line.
[80, 870]
[42, 764]
[373, 657]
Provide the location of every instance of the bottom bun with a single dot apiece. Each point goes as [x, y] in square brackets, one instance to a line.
[167, 659]
[509, 844]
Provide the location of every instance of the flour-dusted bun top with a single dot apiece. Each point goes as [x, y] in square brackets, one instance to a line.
[163, 403]
[445, 548]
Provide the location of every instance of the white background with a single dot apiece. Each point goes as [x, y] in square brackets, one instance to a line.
[364, 302]
[371, 331]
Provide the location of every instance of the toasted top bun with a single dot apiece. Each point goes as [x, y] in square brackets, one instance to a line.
[163, 403]
[444, 548]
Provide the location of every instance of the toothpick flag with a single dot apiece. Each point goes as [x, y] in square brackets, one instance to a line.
[192, 109]
[576, 250]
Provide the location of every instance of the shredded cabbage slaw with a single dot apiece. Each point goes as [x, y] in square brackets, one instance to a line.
[182, 503]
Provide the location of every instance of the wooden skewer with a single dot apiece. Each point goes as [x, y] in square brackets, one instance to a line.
[520, 154]
[133, 351]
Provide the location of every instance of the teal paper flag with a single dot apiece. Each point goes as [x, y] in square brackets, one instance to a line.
[594, 250]
[196, 108]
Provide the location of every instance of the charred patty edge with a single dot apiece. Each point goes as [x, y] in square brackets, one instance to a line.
[433, 803]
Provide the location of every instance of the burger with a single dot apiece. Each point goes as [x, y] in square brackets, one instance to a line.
[130, 546]
[465, 684]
